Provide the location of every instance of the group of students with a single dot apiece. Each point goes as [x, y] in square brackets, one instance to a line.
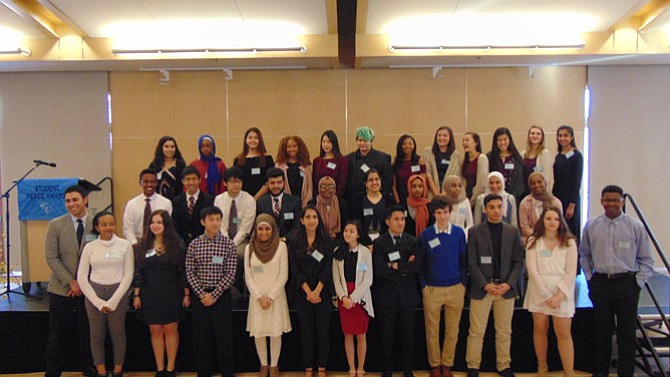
[369, 234]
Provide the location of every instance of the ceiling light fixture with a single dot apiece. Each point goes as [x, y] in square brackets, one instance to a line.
[19, 51]
[250, 50]
[483, 47]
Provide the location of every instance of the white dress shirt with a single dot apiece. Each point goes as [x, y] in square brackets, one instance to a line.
[246, 212]
[133, 216]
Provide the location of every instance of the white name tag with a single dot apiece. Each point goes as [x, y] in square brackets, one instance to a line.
[373, 236]
[150, 253]
[435, 242]
[237, 220]
[509, 166]
[331, 165]
[114, 254]
[368, 212]
[462, 211]
[302, 174]
[90, 237]
[257, 269]
[486, 260]
[545, 253]
[217, 259]
[159, 175]
[624, 244]
[416, 168]
[444, 161]
[316, 255]
[538, 168]
[255, 171]
[288, 216]
[569, 154]
[365, 168]
[362, 266]
[405, 212]
[394, 256]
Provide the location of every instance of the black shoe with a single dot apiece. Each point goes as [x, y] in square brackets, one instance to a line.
[90, 372]
[160, 373]
[408, 373]
[507, 372]
[387, 374]
[170, 373]
[472, 372]
[117, 374]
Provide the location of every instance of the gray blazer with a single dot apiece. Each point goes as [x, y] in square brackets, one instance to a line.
[480, 250]
[62, 252]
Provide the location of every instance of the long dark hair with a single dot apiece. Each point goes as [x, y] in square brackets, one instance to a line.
[478, 148]
[299, 244]
[451, 147]
[333, 140]
[400, 155]
[494, 160]
[571, 131]
[242, 157]
[159, 158]
[341, 248]
[564, 234]
[174, 246]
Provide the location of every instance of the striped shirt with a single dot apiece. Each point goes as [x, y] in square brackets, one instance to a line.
[211, 265]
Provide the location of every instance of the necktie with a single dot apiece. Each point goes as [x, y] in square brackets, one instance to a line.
[191, 206]
[232, 218]
[80, 231]
[396, 240]
[276, 208]
[147, 216]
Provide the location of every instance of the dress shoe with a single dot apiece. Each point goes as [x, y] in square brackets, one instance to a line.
[507, 372]
[472, 372]
[446, 371]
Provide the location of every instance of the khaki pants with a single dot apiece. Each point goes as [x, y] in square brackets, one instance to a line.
[434, 298]
[503, 310]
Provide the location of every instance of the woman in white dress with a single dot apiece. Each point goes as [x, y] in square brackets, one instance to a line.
[551, 260]
[266, 273]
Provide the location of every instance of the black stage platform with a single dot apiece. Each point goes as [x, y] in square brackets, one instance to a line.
[24, 329]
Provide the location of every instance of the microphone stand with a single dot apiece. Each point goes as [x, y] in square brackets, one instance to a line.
[5, 196]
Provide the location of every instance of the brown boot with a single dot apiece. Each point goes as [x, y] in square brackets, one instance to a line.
[274, 371]
[264, 371]
[542, 369]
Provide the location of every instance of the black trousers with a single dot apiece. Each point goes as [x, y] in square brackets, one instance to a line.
[615, 299]
[213, 336]
[67, 321]
[396, 318]
[314, 319]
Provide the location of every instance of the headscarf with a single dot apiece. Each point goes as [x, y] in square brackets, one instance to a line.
[420, 205]
[503, 194]
[447, 183]
[329, 209]
[264, 250]
[213, 175]
[540, 200]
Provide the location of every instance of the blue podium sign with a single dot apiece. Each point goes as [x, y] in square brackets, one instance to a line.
[42, 199]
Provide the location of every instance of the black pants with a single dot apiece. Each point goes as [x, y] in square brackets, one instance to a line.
[67, 321]
[314, 318]
[213, 336]
[400, 318]
[615, 298]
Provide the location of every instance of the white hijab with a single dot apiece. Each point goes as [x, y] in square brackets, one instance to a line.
[504, 194]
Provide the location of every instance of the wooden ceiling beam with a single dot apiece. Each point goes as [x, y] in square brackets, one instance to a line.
[44, 16]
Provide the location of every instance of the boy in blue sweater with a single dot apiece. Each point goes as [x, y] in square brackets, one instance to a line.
[443, 284]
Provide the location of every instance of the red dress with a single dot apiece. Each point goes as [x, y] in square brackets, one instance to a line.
[354, 320]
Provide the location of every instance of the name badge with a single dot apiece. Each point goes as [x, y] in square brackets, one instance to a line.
[394, 256]
[545, 253]
[569, 154]
[445, 161]
[624, 244]
[114, 254]
[509, 166]
[331, 165]
[416, 168]
[159, 175]
[255, 171]
[368, 212]
[288, 216]
[486, 260]
[373, 235]
[90, 237]
[150, 253]
[217, 259]
[302, 174]
[538, 168]
[405, 212]
[365, 168]
[435, 242]
[362, 266]
[237, 220]
[257, 269]
[317, 255]
[462, 211]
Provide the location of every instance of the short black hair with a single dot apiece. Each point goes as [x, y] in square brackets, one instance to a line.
[490, 197]
[190, 170]
[76, 188]
[148, 171]
[211, 210]
[232, 172]
[394, 208]
[439, 203]
[274, 172]
[612, 188]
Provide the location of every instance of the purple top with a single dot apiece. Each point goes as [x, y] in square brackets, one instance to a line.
[336, 168]
[470, 175]
[407, 169]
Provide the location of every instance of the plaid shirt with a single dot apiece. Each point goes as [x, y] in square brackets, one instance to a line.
[211, 265]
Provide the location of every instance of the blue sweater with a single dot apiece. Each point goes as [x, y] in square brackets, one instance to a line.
[445, 264]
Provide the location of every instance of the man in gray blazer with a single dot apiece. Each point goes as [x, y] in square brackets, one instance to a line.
[66, 236]
[495, 259]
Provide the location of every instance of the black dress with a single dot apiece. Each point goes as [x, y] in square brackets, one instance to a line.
[253, 174]
[161, 281]
[568, 170]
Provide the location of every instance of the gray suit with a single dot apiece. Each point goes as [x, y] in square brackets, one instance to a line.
[480, 250]
[62, 252]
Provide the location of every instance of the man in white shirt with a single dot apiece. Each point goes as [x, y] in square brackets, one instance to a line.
[238, 207]
[145, 203]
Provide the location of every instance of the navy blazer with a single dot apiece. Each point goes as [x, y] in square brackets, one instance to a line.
[189, 227]
[396, 287]
[291, 206]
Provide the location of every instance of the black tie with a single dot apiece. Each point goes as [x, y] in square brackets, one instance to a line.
[80, 231]
[396, 240]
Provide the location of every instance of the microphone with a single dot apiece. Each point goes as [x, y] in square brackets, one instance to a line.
[40, 162]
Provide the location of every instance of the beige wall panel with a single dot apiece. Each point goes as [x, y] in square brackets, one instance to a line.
[397, 101]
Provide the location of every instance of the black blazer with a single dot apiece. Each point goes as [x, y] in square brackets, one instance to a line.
[189, 227]
[396, 287]
[356, 178]
[480, 266]
[291, 206]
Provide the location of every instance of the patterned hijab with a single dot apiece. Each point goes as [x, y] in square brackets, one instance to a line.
[264, 250]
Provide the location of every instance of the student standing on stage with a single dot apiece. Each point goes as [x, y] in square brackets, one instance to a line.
[506, 159]
[239, 210]
[461, 208]
[330, 162]
[169, 164]
[442, 160]
[568, 169]
[65, 238]
[418, 215]
[475, 166]
[443, 280]
[407, 162]
[254, 162]
[537, 158]
[210, 270]
[138, 209]
[617, 260]
[293, 160]
[397, 262]
[283, 207]
[211, 168]
[187, 206]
